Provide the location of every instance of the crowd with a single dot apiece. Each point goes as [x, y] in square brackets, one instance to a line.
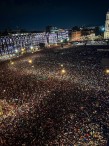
[55, 99]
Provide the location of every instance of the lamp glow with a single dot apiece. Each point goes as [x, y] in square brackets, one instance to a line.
[30, 61]
[12, 62]
[62, 65]
[22, 49]
[107, 71]
[31, 47]
[63, 71]
[16, 51]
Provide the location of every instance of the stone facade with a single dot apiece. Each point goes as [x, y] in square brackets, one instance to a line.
[106, 33]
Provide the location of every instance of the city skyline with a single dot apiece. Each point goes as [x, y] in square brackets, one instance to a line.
[37, 14]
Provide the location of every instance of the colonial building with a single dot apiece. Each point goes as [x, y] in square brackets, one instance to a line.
[106, 33]
[75, 36]
[15, 43]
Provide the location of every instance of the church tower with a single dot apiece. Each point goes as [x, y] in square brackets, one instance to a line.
[106, 33]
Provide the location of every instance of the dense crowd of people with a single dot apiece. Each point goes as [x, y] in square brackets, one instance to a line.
[55, 98]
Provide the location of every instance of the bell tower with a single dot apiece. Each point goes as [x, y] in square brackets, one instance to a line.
[106, 33]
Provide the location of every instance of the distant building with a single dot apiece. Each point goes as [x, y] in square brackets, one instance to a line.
[87, 32]
[16, 42]
[52, 38]
[56, 35]
[90, 37]
[63, 35]
[39, 38]
[76, 36]
[83, 35]
[51, 29]
[106, 33]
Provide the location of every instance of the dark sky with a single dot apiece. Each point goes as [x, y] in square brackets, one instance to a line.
[36, 14]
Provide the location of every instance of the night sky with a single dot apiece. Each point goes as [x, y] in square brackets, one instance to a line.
[36, 14]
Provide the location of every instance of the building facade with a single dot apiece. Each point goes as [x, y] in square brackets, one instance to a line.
[75, 36]
[106, 33]
[15, 43]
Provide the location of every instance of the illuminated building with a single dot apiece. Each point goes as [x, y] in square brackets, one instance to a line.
[13, 43]
[55, 35]
[82, 35]
[63, 35]
[52, 38]
[9, 44]
[40, 38]
[90, 37]
[76, 36]
[106, 33]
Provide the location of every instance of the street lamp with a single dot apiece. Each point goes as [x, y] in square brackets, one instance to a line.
[61, 40]
[31, 47]
[107, 71]
[62, 65]
[22, 49]
[11, 62]
[30, 61]
[16, 51]
[63, 71]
